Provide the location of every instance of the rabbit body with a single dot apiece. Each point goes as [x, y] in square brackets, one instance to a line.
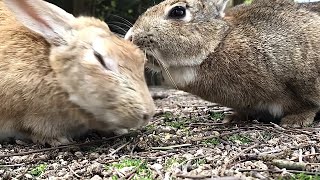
[53, 87]
[261, 58]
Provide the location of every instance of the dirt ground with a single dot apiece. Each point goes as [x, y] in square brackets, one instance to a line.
[185, 140]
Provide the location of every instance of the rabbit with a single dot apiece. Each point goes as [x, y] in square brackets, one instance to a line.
[262, 59]
[62, 76]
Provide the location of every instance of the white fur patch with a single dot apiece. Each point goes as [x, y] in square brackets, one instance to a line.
[128, 34]
[274, 109]
[98, 45]
[181, 76]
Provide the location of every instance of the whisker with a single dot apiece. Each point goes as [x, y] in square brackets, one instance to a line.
[118, 27]
[161, 64]
[120, 23]
[125, 20]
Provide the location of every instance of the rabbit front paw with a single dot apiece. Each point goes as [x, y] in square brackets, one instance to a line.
[53, 142]
[235, 117]
[299, 120]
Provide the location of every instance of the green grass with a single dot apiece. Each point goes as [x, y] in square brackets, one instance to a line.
[142, 171]
[305, 177]
[216, 116]
[213, 141]
[167, 116]
[169, 163]
[179, 124]
[242, 139]
[38, 170]
[248, 1]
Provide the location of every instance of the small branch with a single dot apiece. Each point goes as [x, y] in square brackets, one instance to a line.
[289, 164]
[134, 133]
[11, 165]
[307, 155]
[74, 173]
[119, 148]
[279, 171]
[206, 177]
[171, 147]
[217, 136]
[240, 154]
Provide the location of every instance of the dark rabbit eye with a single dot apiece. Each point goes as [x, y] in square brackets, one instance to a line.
[100, 58]
[177, 12]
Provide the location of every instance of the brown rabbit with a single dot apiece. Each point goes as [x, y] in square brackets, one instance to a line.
[61, 76]
[264, 59]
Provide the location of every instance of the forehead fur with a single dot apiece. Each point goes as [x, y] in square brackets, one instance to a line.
[113, 45]
[84, 22]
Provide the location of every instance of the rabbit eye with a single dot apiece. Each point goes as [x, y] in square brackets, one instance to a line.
[178, 12]
[100, 58]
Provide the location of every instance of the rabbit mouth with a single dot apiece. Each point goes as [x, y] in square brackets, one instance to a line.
[152, 63]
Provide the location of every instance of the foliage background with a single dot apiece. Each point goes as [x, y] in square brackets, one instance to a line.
[116, 13]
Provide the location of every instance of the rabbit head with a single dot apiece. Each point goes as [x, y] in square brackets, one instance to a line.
[101, 73]
[182, 27]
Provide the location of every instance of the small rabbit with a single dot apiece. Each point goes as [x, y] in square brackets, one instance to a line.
[61, 76]
[262, 59]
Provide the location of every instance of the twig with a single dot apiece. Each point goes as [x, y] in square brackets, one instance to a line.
[279, 171]
[228, 163]
[193, 177]
[240, 154]
[74, 172]
[119, 148]
[171, 147]
[205, 177]
[11, 165]
[301, 166]
[217, 136]
[130, 174]
[134, 133]
[307, 155]
[198, 106]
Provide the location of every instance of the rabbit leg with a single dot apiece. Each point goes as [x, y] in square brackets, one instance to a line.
[302, 119]
[235, 117]
[58, 141]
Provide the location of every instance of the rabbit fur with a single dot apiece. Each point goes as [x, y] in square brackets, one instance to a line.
[262, 58]
[61, 76]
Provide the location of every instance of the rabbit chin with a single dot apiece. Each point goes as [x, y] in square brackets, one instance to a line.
[178, 76]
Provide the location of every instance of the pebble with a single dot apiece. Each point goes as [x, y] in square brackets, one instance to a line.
[78, 154]
[28, 176]
[96, 177]
[95, 168]
[94, 155]
[157, 166]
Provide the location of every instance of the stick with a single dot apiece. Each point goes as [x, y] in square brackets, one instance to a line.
[170, 147]
[134, 133]
[280, 171]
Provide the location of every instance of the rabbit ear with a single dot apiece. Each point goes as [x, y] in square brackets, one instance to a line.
[220, 6]
[43, 18]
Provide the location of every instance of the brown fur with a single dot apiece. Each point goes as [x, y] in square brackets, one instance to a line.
[262, 58]
[38, 80]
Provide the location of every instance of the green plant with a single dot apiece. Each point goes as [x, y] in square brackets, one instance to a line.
[142, 171]
[38, 170]
[216, 116]
[303, 176]
[212, 141]
[242, 139]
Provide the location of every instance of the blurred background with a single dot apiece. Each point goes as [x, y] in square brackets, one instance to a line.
[119, 15]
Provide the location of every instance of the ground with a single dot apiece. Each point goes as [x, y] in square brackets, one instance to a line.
[185, 140]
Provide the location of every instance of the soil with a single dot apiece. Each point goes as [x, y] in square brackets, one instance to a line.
[185, 140]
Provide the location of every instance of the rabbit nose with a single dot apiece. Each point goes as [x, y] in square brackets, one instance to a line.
[146, 117]
[128, 35]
